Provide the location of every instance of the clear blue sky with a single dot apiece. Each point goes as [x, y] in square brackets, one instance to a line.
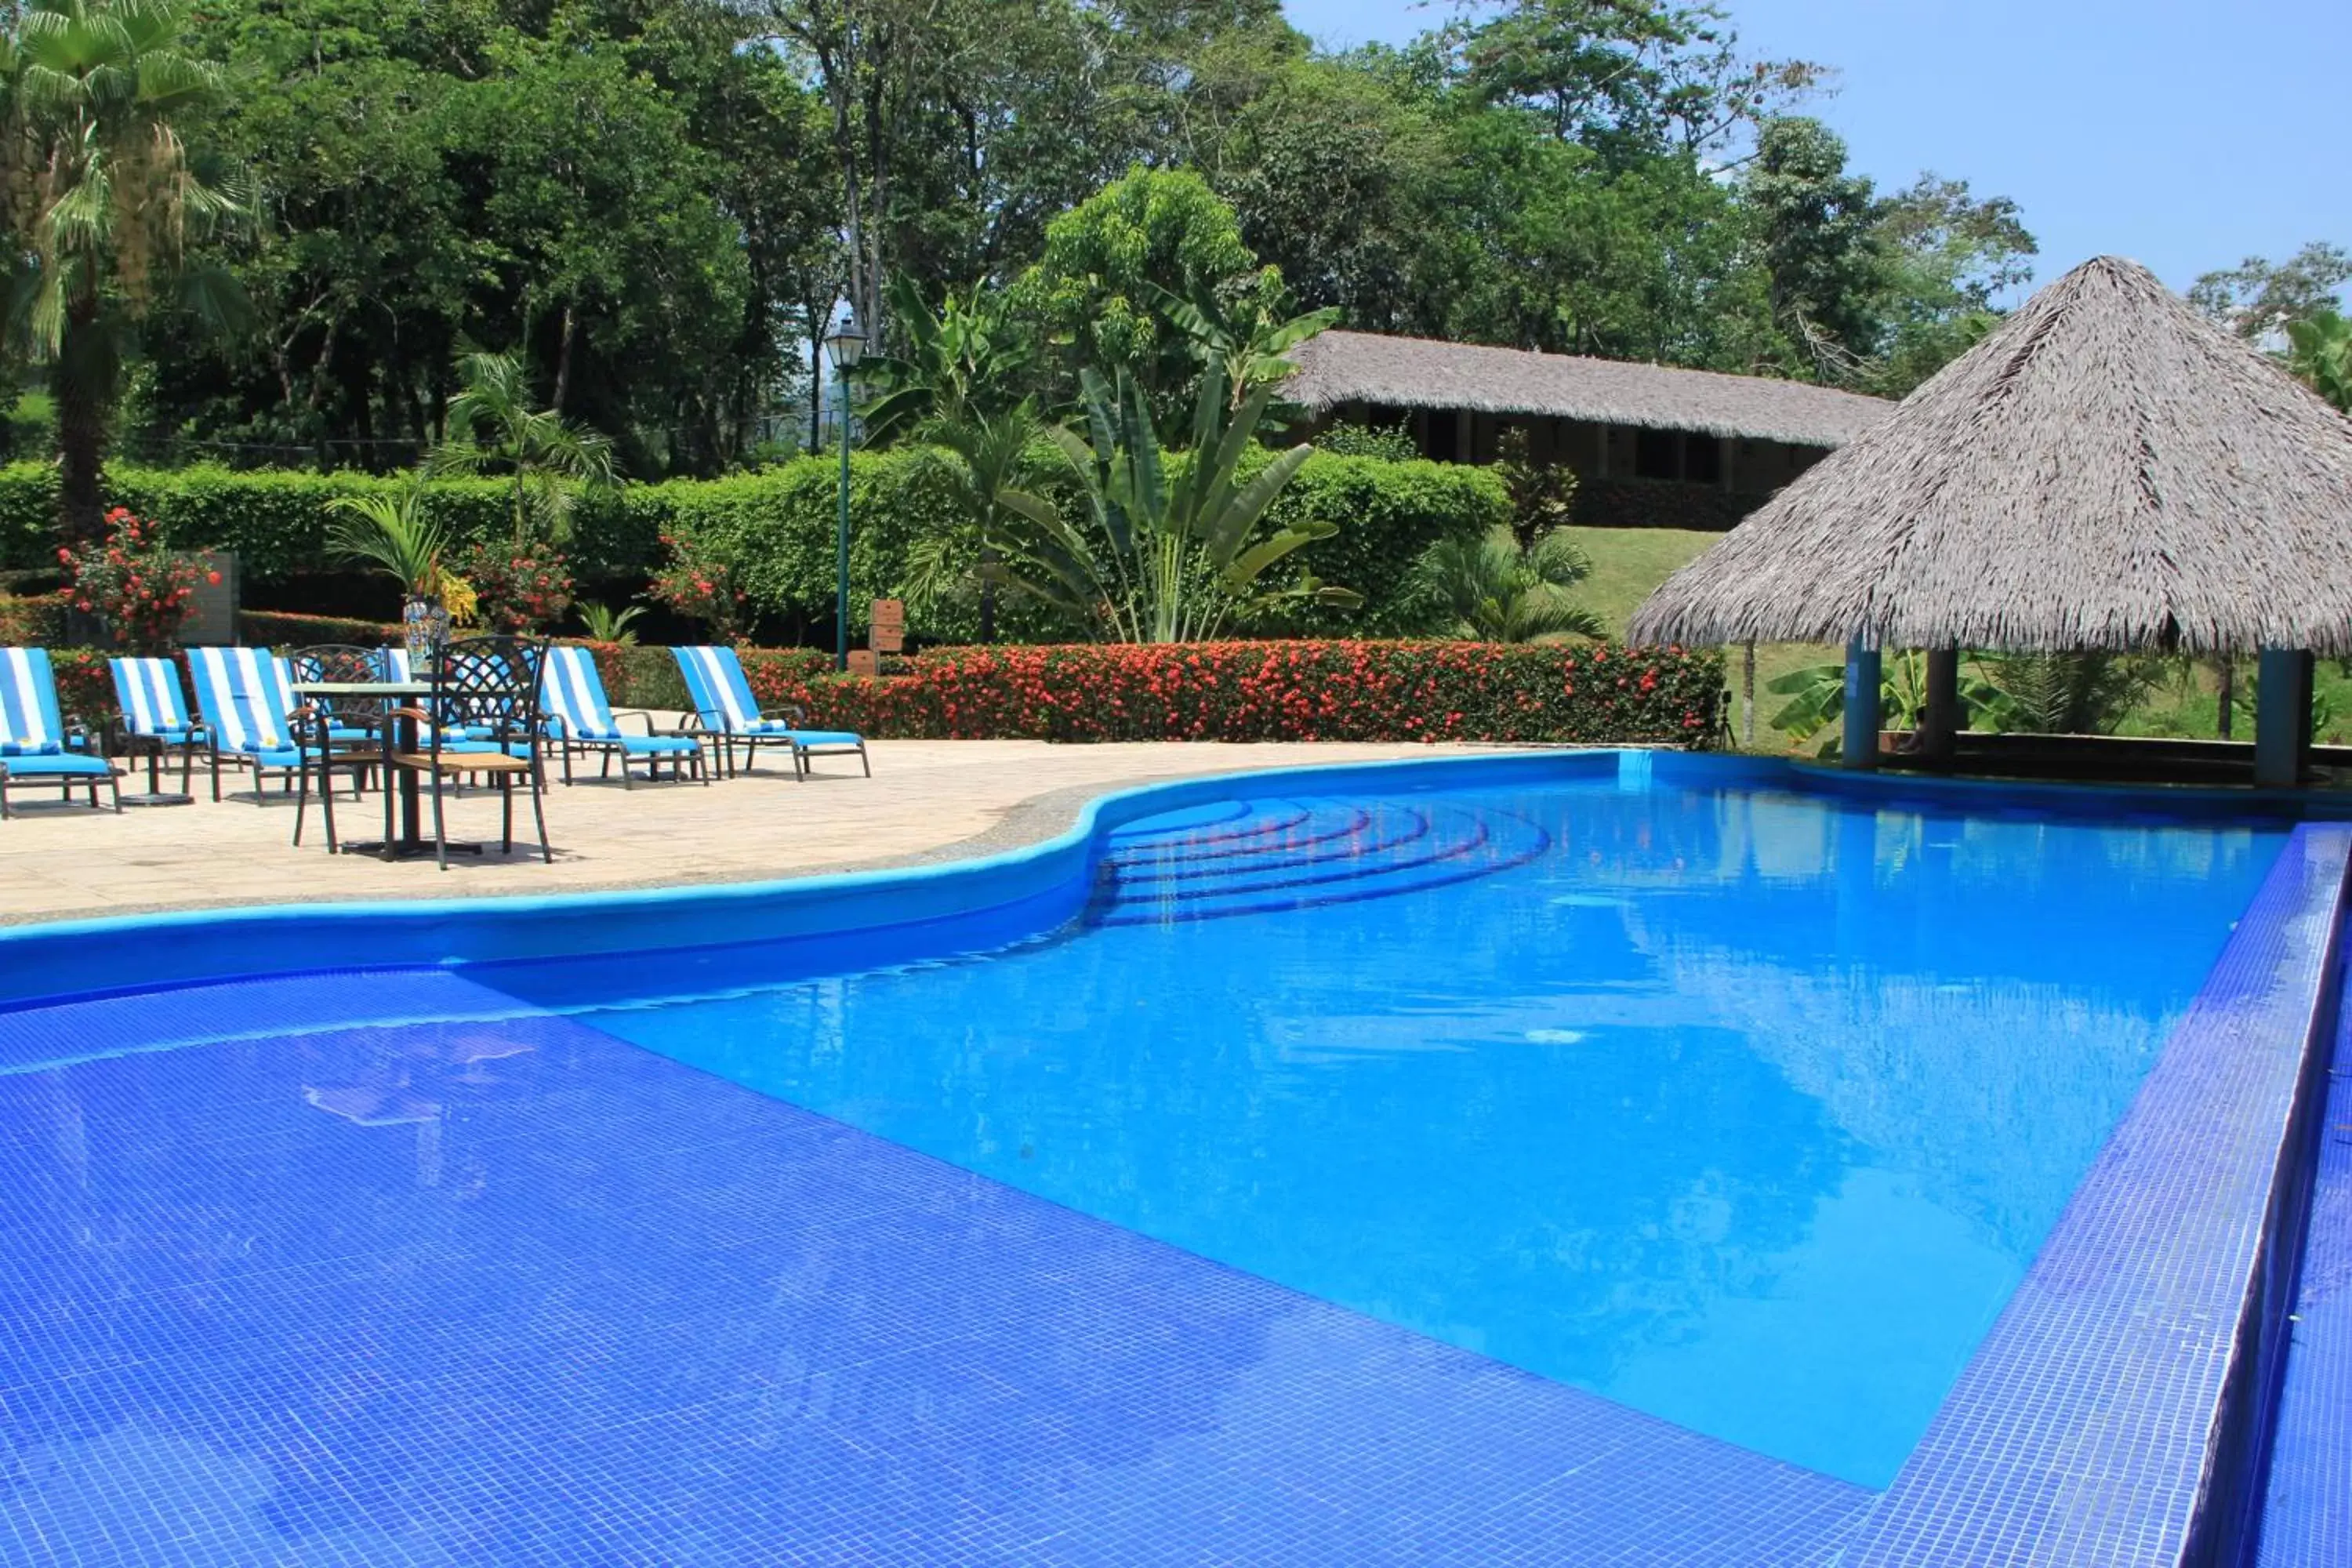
[2187, 137]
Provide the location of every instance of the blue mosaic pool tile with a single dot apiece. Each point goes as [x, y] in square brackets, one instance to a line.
[2084, 1430]
[2307, 1508]
[495, 1289]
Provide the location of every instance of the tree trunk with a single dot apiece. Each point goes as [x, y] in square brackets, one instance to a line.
[1748, 696]
[563, 357]
[987, 598]
[2228, 695]
[81, 430]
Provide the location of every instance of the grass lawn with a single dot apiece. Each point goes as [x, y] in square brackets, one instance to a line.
[1628, 563]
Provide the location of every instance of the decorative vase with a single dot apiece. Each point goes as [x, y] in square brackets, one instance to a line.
[424, 628]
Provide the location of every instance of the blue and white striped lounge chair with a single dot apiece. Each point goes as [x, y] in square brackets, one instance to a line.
[248, 708]
[581, 718]
[723, 705]
[154, 713]
[39, 744]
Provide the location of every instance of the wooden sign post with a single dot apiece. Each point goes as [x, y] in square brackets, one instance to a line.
[864, 661]
[887, 628]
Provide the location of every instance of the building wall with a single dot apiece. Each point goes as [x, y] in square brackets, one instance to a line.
[1740, 465]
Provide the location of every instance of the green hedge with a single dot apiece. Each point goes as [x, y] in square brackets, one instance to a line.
[779, 524]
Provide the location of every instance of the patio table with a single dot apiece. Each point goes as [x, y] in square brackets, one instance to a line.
[410, 840]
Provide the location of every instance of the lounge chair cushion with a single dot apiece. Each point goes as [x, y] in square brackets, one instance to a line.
[54, 764]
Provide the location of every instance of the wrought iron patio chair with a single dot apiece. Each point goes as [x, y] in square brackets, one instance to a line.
[485, 685]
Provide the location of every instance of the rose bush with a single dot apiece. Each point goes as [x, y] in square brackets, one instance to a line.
[699, 582]
[130, 579]
[518, 588]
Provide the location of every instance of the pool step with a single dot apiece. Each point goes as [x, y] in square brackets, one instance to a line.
[1257, 857]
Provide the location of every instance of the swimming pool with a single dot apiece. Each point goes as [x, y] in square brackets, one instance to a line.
[1382, 1152]
[1746, 1108]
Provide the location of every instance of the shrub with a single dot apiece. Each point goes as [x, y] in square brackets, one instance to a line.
[698, 582]
[133, 583]
[518, 588]
[1267, 692]
[1390, 443]
[275, 520]
[85, 686]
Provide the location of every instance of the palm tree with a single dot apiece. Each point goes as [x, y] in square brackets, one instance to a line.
[493, 429]
[1491, 589]
[103, 198]
[986, 457]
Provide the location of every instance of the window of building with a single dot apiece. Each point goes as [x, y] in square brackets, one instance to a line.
[1658, 454]
[1442, 444]
[1703, 459]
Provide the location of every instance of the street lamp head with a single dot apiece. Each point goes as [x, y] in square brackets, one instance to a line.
[844, 343]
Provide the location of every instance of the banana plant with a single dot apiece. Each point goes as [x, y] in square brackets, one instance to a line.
[1157, 557]
[1816, 694]
[1250, 344]
[960, 364]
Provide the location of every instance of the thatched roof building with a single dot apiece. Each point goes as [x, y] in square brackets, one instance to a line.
[2106, 470]
[1337, 369]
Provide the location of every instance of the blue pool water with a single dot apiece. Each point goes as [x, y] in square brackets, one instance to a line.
[1746, 1108]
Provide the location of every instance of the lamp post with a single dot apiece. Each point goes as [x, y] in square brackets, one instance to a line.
[843, 344]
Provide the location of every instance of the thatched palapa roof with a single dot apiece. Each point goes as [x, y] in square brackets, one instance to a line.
[1335, 368]
[2107, 470]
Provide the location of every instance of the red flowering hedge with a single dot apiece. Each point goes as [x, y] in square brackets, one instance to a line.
[1266, 692]
[36, 621]
[1185, 691]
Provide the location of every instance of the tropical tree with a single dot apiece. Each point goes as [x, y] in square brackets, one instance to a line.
[1491, 588]
[2319, 351]
[1817, 236]
[1094, 287]
[2259, 300]
[103, 200]
[1162, 557]
[493, 429]
[1250, 339]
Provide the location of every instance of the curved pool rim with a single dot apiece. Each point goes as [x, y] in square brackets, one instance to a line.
[1017, 891]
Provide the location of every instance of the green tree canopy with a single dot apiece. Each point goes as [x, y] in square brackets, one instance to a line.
[1151, 227]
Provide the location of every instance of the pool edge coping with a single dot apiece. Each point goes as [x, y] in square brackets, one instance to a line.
[2023, 1466]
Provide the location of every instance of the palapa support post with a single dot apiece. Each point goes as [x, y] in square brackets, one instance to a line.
[2282, 717]
[1862, 682]
[1940, 726]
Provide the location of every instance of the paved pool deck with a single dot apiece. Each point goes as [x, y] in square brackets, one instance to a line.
[928, 800]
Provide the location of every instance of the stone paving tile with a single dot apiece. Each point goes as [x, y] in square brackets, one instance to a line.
[60, 862]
